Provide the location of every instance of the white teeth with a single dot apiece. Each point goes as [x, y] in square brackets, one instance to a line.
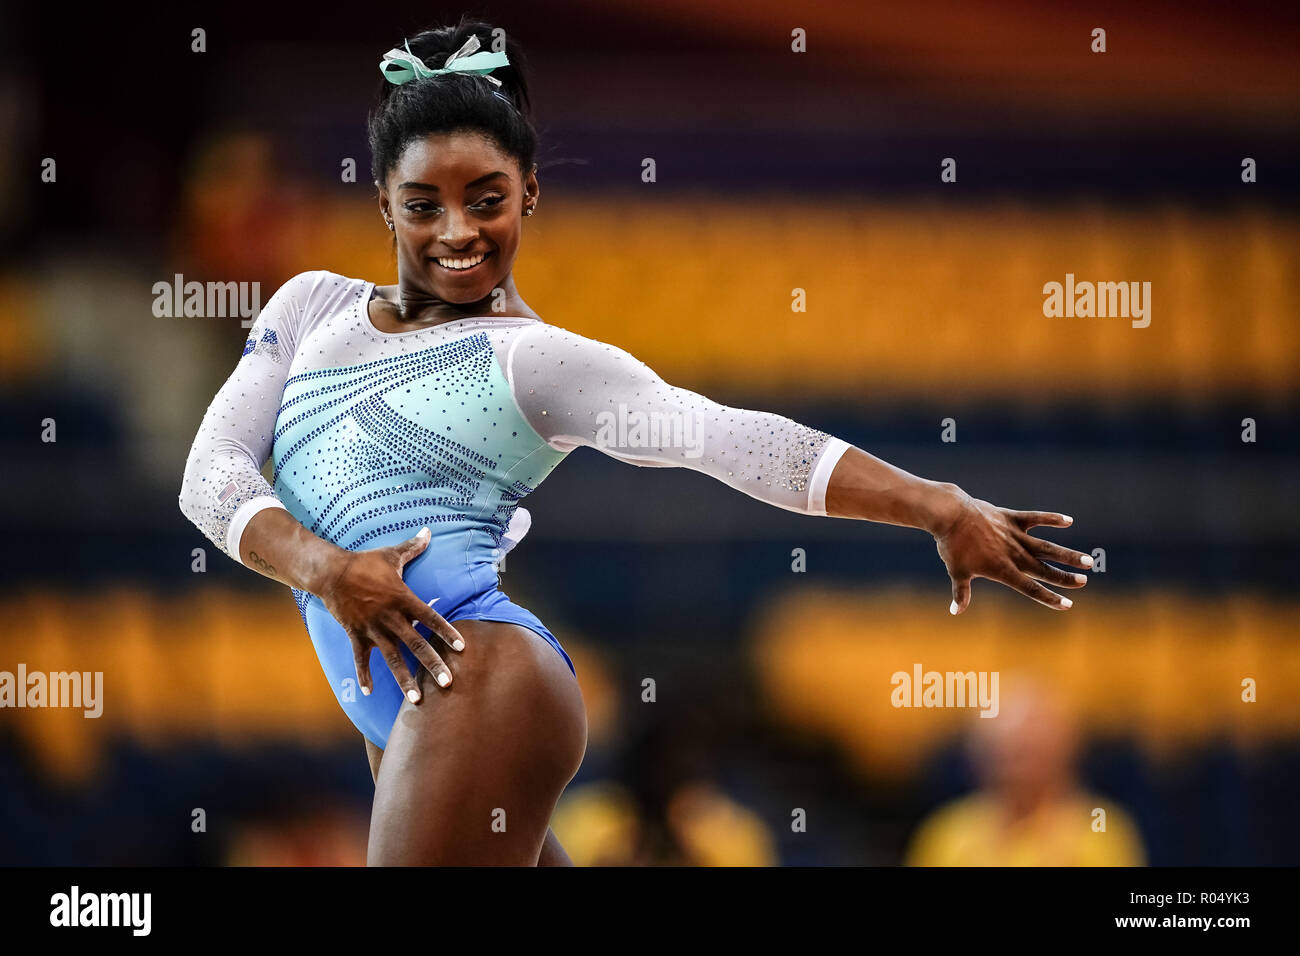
[461, 263]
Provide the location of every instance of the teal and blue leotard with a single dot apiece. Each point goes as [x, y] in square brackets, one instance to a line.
[375, 435]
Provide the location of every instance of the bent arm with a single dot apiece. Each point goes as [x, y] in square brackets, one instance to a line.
[223, 492]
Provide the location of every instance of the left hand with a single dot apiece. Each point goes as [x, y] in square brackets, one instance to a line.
[985, 541]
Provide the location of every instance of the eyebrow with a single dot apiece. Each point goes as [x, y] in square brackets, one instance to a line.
[434, 189]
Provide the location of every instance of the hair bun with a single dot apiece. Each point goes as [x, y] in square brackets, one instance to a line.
[420, 106]
[434, 47]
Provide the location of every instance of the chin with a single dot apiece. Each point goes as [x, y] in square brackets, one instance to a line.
[467, 296]
[458, 293]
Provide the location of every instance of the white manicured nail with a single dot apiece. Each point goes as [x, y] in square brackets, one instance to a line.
[952, 608]
[1080, 578]
[458, 644]
[443, 679]
[1066, 602]
[413, 696]
[1086, 560]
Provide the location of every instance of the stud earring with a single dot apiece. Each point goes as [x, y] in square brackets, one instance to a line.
[389, 223]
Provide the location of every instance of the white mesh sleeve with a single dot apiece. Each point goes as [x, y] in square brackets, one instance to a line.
[576, 391]
[223, 485]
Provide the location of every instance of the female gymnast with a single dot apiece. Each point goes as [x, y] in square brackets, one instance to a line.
[406, 422]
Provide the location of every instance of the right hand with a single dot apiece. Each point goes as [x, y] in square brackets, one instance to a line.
[376, 609]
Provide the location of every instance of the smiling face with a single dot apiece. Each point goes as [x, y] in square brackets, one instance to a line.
[456, 201]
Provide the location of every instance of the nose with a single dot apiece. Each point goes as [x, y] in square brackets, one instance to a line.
[457, 230]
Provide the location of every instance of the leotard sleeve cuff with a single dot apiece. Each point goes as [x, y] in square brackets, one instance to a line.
[244, 514]
[821, 476]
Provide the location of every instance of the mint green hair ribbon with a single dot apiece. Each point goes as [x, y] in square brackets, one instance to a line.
[400, 66]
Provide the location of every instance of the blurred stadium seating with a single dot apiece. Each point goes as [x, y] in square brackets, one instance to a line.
[923, 302]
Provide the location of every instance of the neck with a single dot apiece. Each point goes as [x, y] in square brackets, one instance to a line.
[411, 306]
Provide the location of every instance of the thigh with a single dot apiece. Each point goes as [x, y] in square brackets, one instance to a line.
[553, 853]
[471, 775]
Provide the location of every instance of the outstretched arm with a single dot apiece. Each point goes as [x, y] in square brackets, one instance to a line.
[576, 391]
[974, 538]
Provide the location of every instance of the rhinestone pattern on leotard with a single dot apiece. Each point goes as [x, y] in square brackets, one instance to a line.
[268, 345]
[367, 452]
[564, 382]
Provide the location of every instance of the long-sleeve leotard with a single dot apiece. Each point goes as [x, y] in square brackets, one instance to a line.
[376, 434]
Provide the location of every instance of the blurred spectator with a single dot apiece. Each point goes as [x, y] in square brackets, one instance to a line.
[714, 830]
[1031, 810]
[599, 825]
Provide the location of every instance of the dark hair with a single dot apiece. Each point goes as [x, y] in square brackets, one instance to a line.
[453, 102]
